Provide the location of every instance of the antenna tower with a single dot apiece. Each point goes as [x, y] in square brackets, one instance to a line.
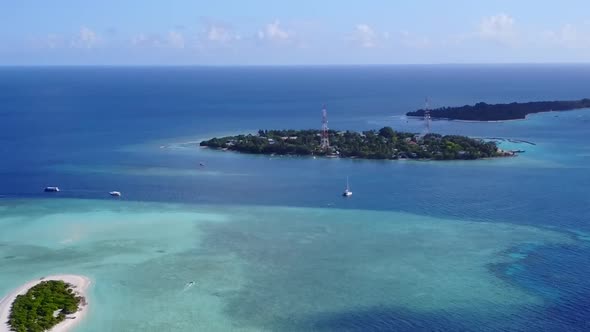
[325, 142]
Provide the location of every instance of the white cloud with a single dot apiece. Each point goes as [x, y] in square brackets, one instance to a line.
[365, 36]
[568, 36]
[220, 34]
[175, 39]
[138, 39]
[275, 33]
[86, 38]
[143, 40]
[499, 28]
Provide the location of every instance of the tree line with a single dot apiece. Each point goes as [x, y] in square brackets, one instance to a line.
[497, 112]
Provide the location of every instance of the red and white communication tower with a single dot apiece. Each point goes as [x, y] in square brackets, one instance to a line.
[325, 142]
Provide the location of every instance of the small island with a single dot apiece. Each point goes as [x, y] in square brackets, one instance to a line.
[382, 144]
[53, 303]
[501, 112]
[43, 306]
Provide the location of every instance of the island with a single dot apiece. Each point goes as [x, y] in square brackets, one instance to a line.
[382, 144]
[52, 303]
[501, 112]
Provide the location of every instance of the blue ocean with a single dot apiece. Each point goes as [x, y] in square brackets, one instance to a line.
[268, 241]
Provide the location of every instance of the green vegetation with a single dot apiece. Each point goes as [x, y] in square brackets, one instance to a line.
[43, 306]
[513, 111]
[383, 144]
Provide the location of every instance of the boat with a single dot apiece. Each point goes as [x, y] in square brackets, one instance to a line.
[51, 189]
[347, 192]
[115, 193]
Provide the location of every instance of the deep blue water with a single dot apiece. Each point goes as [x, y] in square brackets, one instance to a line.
[90, 130]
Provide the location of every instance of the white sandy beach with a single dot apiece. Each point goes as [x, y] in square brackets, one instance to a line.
[80, 284]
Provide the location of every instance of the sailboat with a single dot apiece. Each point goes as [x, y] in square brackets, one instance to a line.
[347, 192]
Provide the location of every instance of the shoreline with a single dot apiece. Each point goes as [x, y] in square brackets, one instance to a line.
[80, 285]
[510, 140]
[335, 157]
[467, 121]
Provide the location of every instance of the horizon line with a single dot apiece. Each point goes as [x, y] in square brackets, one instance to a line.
[305, 65]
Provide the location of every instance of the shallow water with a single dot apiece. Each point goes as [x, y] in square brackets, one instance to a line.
[267, 267]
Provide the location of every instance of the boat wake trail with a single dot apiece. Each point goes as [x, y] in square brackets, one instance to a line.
[188, 286]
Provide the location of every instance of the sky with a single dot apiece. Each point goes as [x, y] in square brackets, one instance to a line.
[296, 32]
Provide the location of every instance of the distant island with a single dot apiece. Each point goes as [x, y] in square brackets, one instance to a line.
[499, 112]
[382, 144]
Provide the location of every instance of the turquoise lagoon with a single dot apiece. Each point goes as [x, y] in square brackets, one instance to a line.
[265, 268]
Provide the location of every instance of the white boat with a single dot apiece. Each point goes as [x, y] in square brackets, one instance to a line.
[115, 193]
[347, 192]
[51, 189]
